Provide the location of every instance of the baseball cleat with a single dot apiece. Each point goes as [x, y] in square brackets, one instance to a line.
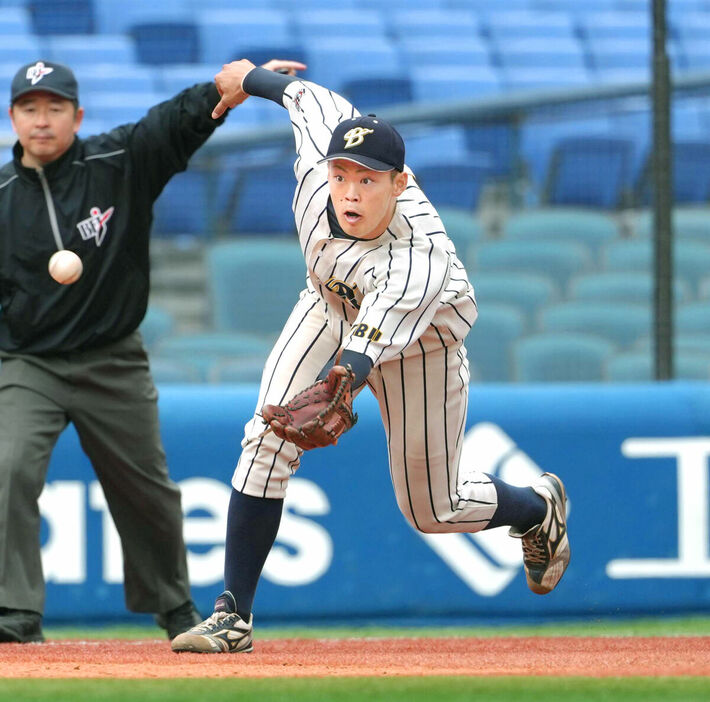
[546, 546]
[223, 632]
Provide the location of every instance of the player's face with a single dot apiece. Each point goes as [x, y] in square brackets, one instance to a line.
[45, 125]
[364, 200]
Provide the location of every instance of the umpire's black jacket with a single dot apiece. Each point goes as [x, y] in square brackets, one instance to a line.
[102, 191]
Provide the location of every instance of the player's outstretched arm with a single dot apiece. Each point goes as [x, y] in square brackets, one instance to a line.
[230, 79]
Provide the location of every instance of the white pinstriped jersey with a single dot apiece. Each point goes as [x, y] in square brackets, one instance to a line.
[385, 293]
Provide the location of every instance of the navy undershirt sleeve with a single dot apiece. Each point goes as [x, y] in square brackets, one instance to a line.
[267, 84]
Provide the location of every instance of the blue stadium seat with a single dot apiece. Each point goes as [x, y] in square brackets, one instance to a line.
[62, 16]
[691, 259]
[565, 224]
[374, 92]
[618, 286]
[176, 77]
[468, 52]
[225, 34]
[498, 142]
[523, 78]
[186, 205]
[157, 325]
[616, 25]
[561, 357]
[690, 27]
[541, 53]
[113, 78]
[159, 43]
[590, 171]
[557, 259]
[121, 108]
[432, 25]
[259, 54]
[695, 54]
[452, 184]
[572, 7]
[462, 227]
[253, 284]
[693, 318]
[237, 370]
[489, 343]
[263, 200]
[691, 174]
[431, 145]
[342, 23]
[77, 50]
[504, 26]
[333, 62]
[18, 49]
[637, 366]
[443, 83]
[526, 291]
[173, 370]
[203, 351]
[689, 223]
[15, 20]
[118, 16]
[621, 323]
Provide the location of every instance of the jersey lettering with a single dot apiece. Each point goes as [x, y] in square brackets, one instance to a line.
[361, 330]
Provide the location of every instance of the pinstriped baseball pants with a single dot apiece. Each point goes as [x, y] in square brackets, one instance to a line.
[423, 400]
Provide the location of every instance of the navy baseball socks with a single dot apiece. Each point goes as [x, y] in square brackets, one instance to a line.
[252, 525]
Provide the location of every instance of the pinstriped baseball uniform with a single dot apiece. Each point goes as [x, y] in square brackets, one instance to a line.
[405, 301]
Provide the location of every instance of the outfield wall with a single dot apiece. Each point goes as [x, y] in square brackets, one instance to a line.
[634, 460]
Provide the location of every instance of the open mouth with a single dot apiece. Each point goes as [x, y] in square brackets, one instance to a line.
[351, 217]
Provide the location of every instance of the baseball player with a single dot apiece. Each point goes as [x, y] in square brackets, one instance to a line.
[387, 305]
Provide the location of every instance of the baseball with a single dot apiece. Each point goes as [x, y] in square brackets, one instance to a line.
[65, 267]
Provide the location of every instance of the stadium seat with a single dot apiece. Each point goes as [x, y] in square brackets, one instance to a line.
[541, 53]
[333, 62]
[254, 283]
[112, 78]
[497, 140]
[468, 52]
[489, 343]
[432, 25]
[526, 291]
[625, 26]
[118, 16]
[263, 197]
[452, 184]
[62, 16]
[121, 107]
[638, 366]
[17, 49]
[695, 54]
[173, 370]
[503, 26]
[224, 34]
[432, 84]
[15, 20]
[462, 227]
[342, 23]
[431, 145]
[77, 50]
[525, 78]
[172, 78]
[689, 223]
[693, 318]
[590, 171]
[691, 174]
[373, 92]
[566, 224]
[237, 370]
[202, 351]
[620, 323]
[691, 259]
[695, 343]
[626, 286]
[156, 326]
[159, 43]
[556, 259]
[704, 288]
[561, 357]
[186, 205]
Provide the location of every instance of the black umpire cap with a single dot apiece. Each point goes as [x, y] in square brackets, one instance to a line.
[370, 141]
[47, 76]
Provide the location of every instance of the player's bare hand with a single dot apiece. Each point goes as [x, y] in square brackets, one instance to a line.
[229, 81]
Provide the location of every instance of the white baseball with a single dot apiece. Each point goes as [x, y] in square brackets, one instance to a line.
[65, 267]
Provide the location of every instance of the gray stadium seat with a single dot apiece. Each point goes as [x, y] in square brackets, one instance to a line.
[638, 366]
[561, 357]
[693, 318]
[688, 223]
[618, 286]
[157, 325]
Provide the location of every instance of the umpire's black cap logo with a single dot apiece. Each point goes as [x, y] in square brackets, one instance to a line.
[369, 141]
[47, 76]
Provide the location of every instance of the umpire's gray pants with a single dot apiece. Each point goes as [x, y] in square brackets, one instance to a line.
[109, 396]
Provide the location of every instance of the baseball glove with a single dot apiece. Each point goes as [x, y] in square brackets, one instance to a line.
[317, 416]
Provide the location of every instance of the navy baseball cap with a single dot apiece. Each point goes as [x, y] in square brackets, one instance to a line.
[46, 76]
[367, 140]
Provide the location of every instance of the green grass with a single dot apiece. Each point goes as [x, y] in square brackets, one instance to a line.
[409, 689]
[687, 626]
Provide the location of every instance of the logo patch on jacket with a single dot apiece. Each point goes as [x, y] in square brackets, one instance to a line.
[94, 227]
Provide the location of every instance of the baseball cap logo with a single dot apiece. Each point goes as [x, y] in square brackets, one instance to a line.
[355, 136]
[37, 72]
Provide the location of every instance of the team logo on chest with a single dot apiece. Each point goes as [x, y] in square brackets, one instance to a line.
[355, 136]
[94, 227]
[343, 290]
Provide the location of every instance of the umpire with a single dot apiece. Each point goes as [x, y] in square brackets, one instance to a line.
[72, 353]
